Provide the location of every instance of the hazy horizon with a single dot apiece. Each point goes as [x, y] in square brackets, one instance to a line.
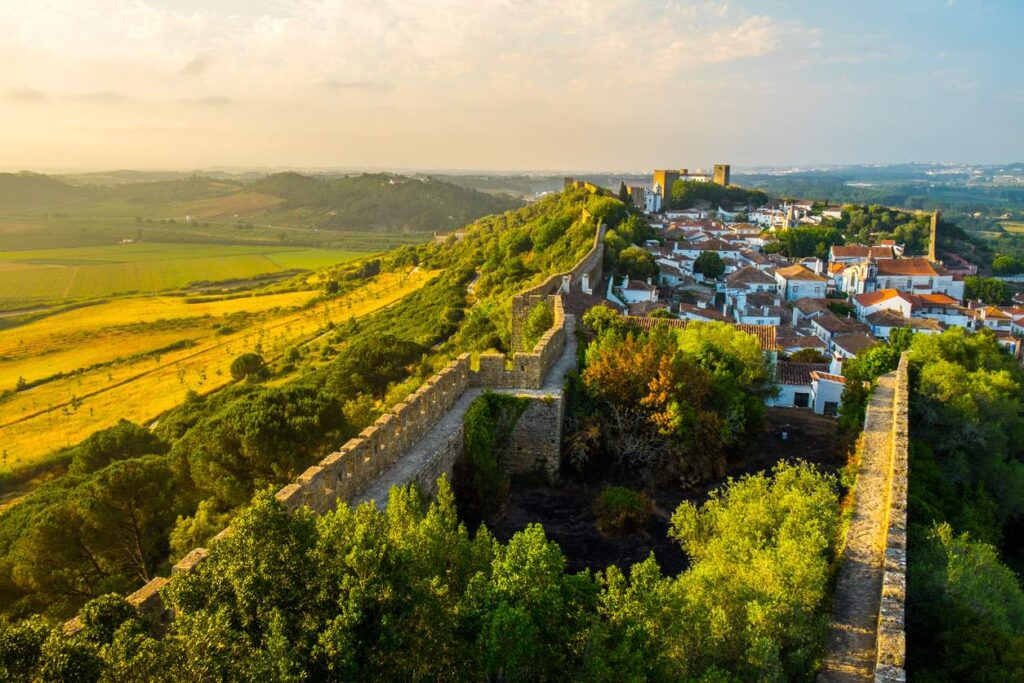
[458, 85]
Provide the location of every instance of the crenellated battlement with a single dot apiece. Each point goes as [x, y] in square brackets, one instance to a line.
[348, 474]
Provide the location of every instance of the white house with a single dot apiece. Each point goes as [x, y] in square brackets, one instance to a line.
[721, 247]
[796, 282]
[883, 322]
[827, 390]
[794, 380]
[914, 275]
[939, 307]
[635, 291]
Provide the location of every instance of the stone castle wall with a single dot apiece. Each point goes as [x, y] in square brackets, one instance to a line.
[866, 634]
[584, 277]
[348, 472]
[524, 370]
[535, 442]
[892, 640]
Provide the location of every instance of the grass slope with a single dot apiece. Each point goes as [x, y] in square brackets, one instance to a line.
[53, 275]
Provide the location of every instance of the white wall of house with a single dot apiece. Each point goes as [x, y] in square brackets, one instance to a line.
[798, 289]
[788, 394]
[826, 391]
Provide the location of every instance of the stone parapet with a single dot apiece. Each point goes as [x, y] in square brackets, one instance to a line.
[359, 463]
[892, 641]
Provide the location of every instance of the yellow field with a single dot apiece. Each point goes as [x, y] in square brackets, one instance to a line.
[1012, 226]
[59, 413]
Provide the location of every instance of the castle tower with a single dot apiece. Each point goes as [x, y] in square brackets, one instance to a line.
[933, 239]
[665, 179]
[722, 174]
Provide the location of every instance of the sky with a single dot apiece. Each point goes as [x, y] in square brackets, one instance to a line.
[611, 85]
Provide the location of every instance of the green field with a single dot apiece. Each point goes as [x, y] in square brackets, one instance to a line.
[56, 275]
[1012, 226]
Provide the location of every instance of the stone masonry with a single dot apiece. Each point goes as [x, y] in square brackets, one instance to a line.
[866, 636]
[421, 438]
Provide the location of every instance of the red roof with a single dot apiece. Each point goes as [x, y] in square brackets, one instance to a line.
[828, 377]
[871, 298]
[906, 266]
[797, 373]
[798, 272]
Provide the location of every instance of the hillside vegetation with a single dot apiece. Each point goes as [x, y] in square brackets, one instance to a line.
[216, 449]
[33, 190]
[381, 201]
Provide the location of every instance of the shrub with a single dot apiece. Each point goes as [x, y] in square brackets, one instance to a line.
[249, 366]
[538, 321]
[622, 510]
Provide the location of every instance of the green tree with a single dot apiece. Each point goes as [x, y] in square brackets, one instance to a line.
[1005, 264]
[249, 366]
[988, 289]
[709, 264]
[122, 441]
[538, 321]
[637, 263]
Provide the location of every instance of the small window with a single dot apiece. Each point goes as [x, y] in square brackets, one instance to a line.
[831, 408]
[801, 400]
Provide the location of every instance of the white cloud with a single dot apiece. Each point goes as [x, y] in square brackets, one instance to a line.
[379, 81]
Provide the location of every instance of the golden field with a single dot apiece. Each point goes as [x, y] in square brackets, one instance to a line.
[58, 413]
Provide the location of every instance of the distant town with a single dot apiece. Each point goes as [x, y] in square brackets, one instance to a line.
[712, 266]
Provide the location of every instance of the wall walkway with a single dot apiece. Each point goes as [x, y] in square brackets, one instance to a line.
[866, 641]
[421, 438]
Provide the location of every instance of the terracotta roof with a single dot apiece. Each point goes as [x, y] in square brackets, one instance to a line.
[830, 322]
[753, 256]
[765, 333]
[885, 251]
[797, 373]
[879, 295]
[714, 244]
[890, 318]
[934, 300]
[708, 313]
[993, 312]
[765, 299]
[854, 342]
[906, 266]
[798, 272]
[807, 305]
[638, 284]
[799, 341]
[749, 275]
[827, 376]
[645, 307]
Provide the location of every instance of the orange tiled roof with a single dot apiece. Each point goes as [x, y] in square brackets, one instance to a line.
[877, 296]
[816, 374]
[798, 272]
[906, 266]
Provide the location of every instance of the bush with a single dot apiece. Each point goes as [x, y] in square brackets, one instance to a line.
[249, 366]
[538, 321]
[622, 510]
[808, 356]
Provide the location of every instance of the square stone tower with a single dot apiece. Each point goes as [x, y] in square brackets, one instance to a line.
[666, 179]
[722, 174]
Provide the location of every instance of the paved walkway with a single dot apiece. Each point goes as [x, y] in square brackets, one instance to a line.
[851, 645]
[407, 467]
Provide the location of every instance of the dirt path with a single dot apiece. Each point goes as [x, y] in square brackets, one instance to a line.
[851, 644]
